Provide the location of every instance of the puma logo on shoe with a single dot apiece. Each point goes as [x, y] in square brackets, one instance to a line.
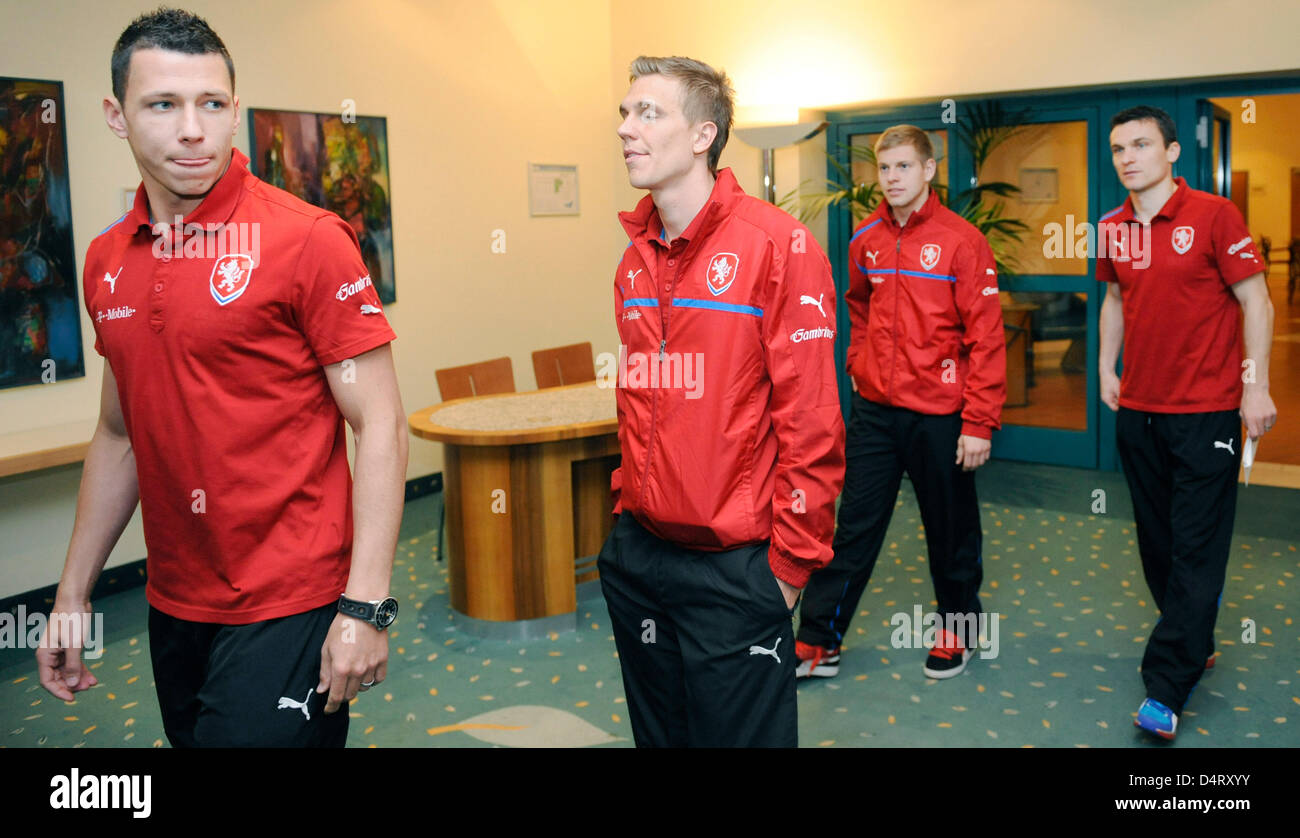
[300, 705]
[1227, 445]
[757, 650]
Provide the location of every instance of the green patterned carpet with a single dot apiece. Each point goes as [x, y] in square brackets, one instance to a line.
[1074, 615]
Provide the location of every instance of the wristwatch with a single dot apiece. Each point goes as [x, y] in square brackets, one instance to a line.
[380, 613]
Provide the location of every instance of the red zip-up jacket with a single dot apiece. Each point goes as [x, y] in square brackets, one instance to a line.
[926, 321]
[729, 413]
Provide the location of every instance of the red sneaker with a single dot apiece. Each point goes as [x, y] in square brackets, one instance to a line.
[816, 661]
[948, 657]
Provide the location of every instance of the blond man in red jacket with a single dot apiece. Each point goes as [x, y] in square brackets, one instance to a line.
[928, 361]
[729, 424]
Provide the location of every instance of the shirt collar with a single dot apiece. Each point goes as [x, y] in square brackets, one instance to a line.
[217, 206]
[1172, 205]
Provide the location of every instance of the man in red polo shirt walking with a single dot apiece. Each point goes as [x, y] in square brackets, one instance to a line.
[239, 331]
[729, 424]
[1183, 264]
[928, 360]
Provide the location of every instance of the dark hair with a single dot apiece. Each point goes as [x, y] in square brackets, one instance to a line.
[174, 30]
[1160, 117]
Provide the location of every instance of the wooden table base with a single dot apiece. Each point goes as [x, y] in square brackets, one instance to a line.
[517, 518]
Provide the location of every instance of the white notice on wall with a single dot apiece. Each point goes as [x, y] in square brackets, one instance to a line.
[552, 190]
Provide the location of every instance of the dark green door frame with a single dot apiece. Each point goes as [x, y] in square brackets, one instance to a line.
[1183, 99]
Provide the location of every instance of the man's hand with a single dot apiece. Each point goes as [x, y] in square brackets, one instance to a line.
[972, 452]
[58, 659]
[1257, 411]
[1110, 390]
[790, 592]
[353, 659]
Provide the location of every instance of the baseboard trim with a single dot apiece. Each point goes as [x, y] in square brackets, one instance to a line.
[114, 580]
[132, 574]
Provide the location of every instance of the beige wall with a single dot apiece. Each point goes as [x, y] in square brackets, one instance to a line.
[1268, 148]
[475, 89]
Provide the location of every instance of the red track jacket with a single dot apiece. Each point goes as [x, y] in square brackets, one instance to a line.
[926, 321]
[729, 413]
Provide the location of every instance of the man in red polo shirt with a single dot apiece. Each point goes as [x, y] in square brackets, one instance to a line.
[236, 344]
[1184, 265]
[729, 424]
[928, 361]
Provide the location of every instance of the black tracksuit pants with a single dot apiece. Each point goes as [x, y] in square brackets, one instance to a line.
[1182, 472]
[881, 443]
[705, 642]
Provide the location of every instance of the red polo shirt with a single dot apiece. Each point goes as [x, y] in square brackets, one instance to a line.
[217, 338]
[1182, 322]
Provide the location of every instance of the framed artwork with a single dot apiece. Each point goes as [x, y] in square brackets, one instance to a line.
[1040, 186]
[40, 317]
[552, 190]
[337, 161]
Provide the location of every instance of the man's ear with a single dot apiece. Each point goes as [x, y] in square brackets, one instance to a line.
[235, 101]
[704, 137]
[931, 167]
[114, 117]
[1172, 151]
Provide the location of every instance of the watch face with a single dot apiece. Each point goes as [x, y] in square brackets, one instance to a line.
[386, 612]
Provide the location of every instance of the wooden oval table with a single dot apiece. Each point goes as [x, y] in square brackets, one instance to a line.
[526, 488]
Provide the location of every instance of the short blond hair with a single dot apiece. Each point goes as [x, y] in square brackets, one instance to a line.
[906, 135]
[707, 95]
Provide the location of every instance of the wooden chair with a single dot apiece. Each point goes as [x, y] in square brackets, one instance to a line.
[481, 379]
[563, 365]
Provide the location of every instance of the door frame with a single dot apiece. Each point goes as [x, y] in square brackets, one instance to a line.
[1182, 98]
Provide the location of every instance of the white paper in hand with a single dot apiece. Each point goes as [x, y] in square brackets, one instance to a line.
[1248, 456]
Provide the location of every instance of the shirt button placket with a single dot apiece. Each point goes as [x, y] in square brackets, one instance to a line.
[160, 277]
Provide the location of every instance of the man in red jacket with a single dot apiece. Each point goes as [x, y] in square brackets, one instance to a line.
[729, 424]
[928, 361]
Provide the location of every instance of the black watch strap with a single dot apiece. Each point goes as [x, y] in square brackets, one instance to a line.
[358, 608]
[379, 614]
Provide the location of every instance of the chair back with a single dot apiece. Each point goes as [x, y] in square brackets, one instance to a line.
[563, 365]
[481, 379]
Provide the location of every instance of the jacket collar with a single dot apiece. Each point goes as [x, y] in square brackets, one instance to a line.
[923, 212]
[643, 224]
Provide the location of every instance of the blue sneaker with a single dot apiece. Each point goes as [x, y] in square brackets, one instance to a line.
[1157, 719]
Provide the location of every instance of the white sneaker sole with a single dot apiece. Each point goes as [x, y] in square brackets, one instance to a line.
[826, 669]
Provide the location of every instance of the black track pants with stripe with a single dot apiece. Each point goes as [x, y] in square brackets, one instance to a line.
[882, 442]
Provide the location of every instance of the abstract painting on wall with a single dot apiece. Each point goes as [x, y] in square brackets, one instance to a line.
[338, 162]
[40, 319]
